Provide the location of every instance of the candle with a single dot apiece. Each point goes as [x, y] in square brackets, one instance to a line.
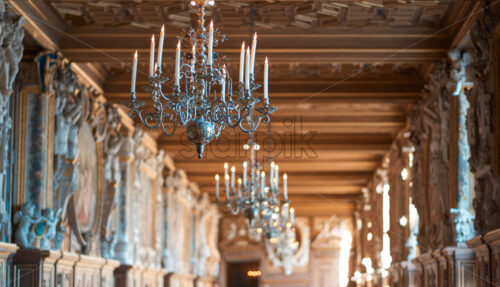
[210, 42]
[223, 85]
[239, 187]
[160, 46]
[247, 70]
[254, 47]
[262, 183]
[217, 187]
[134, 74]
[245, 164]
[225, 169]
[266, 81]
[242, 62]
[271, 175]
[276, 175]
[193, 60]
[285, 188]
[227, 187]
[178, 64]
[233, 169]
[152, 57]
[292, 215]
[286, 210]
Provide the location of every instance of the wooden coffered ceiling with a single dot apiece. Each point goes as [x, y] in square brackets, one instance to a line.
[343, 74]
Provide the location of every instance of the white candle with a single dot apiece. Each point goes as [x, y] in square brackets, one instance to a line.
[227, 187]
[134, 74]
[245, 164]
[286, 211]
[193, 60]
[223, 85]
[152, 57]
[225, 169]
[271, 175]
[239, 187]
[210, 42]
[247, 70]
[292, 215]
[242, 62]
[262, 183]
[178, 64]
[276, 175]
[160, 46]
[233, 169]
[266, 81]
[254, 48]
[285, 188]
[217, 187]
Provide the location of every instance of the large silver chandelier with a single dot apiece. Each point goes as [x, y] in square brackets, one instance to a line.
[203, 99]
[256, 194]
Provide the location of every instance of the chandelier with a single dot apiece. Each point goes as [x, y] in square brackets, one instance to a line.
[203, 99]
[255, 195]
[282, 245]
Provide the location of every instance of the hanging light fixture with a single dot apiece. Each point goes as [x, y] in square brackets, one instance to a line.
[256, 193]
[203, 99]
[282, 245]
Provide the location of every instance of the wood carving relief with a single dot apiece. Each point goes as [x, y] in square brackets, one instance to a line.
[480, 128]
[429, 134]
[11, 52]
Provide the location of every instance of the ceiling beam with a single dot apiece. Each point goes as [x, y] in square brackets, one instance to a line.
[300, 190]
[307, 181]
[342, 45]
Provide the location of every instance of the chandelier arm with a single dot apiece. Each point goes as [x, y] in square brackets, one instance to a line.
[233, 120]
[254, 125]
[164, 128]
[144, 119]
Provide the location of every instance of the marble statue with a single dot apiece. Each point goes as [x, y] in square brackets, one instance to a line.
[68, 108]
[112, 176]
[24, 219]
[51, 221]
[462, 77]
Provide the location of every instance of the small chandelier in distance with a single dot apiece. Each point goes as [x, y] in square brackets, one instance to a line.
[203, 99]
[253, 196]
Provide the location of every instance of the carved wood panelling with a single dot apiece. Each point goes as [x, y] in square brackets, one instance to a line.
[280, 14]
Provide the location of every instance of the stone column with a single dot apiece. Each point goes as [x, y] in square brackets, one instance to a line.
[11, 52]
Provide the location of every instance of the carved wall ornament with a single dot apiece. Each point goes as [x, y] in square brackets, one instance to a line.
[235, 233]
[429, 134]
[330, 232]
[112, 176]
[35, 229]
[462, 77]
[11, 52]
[480, 127]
